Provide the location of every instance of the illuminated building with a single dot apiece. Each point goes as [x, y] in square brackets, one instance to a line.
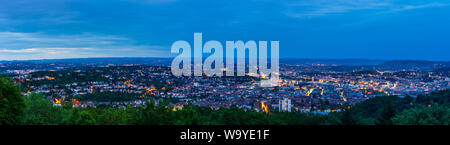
[264, 107]
[285, 105]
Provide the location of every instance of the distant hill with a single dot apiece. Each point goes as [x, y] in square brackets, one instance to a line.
[152, 60]
[414, 65]
[444, 70]
[373, 64]
[337, 62]
[110, 60]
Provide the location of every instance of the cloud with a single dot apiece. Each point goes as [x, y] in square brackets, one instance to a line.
[23, 46]
[41, 38]
[308, 9]
[304, 9]
[61, 53]
[28, 50]
[412, 7]
[45, 53]
[47, 12]
[50, 51]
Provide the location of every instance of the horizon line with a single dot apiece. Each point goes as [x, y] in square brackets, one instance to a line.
[367, 59]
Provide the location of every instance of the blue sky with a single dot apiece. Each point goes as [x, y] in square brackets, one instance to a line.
[370, 29]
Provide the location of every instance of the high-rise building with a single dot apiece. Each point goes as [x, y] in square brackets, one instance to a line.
[285, 105]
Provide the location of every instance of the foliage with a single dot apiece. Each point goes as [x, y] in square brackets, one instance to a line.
[423, 115]
[107, 97]
[40, 111]
[11, 102]
[387, 114]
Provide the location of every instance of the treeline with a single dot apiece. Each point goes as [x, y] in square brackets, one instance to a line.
[431, 109]
[35, 109]
[107, 97]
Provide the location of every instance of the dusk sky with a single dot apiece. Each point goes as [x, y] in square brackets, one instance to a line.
[323, 29]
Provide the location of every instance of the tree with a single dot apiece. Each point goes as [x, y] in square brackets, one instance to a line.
[347, 118]
[111, 116]
[387, 114]
[39, 111]
[11, 102]
[424, 115]
[84, 118]
[79, 117]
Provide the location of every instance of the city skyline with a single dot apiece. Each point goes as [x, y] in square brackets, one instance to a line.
[367, 29]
